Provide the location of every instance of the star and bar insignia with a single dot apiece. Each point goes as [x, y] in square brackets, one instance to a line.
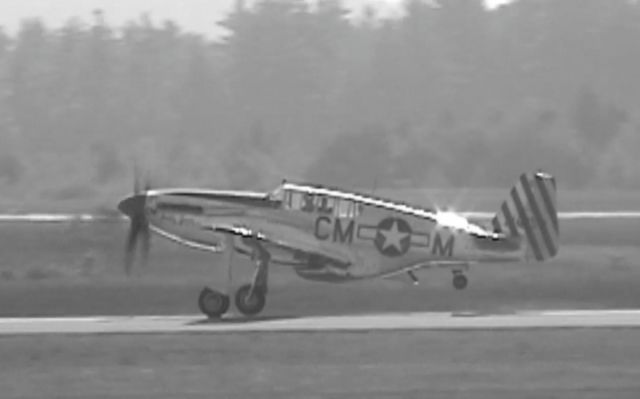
[393, 236]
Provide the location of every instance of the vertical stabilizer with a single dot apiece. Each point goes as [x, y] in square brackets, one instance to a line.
[530, 212]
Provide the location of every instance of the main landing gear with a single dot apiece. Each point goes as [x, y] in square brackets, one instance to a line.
[213, 303]
[250, 299]
[460, 281]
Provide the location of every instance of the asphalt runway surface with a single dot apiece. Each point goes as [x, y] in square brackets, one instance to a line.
[373, 322]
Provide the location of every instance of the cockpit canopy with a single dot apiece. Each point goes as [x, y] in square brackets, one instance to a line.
[308, 200]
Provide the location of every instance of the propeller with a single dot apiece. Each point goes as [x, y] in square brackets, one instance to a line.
[134, 208]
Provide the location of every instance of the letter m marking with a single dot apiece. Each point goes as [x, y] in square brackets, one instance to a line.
[343, 235]
[441, 249]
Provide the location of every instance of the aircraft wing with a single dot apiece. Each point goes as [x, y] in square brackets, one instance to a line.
[442, 264]
[288, 239]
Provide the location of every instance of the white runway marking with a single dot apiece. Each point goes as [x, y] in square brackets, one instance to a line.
[569, 215]
[57, 217]
[375, 322]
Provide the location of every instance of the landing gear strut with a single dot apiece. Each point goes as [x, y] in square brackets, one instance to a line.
[460, 281]
[214, 303]
[251, 298]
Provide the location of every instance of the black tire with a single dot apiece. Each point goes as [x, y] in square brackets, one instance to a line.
[460, 281]
[213, 303]
[250, 306]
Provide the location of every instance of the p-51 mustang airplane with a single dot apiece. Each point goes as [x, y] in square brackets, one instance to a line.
[331, 235]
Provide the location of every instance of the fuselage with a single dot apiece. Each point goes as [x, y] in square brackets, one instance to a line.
[327, 235]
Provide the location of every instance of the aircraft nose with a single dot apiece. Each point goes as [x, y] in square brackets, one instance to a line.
[133, 206]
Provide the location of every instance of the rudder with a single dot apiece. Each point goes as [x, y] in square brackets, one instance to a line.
[530, 212]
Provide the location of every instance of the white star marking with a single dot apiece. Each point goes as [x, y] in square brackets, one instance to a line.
[393, 236]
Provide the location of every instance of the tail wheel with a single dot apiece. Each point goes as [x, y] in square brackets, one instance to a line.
[213, 303]
[253, 304]
[460, 281]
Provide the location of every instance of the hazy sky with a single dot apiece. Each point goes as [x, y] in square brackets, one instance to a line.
[193, 15]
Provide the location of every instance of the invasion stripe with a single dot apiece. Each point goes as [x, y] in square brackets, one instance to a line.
[548, 216]
[531, 219]
[533, 203]
[496, 224]
[548, 225]
[525, 223]
[509, 219]
[513, 211]
[548, 202]
[540, 222]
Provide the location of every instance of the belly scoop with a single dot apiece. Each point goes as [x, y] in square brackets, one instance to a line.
[308, 266]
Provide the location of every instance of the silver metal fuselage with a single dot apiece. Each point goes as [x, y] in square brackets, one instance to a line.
[322, 245]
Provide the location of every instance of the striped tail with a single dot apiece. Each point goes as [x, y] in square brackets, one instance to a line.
[530, 212]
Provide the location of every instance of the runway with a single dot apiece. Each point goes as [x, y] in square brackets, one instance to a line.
[354, 323]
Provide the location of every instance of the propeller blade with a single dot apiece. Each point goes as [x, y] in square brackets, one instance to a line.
[134, 208]
[132, 238]
[146, 244]
[136, 179]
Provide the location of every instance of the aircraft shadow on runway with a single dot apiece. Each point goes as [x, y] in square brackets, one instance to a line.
[237, 319]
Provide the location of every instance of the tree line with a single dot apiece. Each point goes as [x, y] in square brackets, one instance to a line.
[449, 94]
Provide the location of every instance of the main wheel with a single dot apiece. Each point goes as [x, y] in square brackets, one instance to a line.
[460, 281]
[213, 303]
[250, 305]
